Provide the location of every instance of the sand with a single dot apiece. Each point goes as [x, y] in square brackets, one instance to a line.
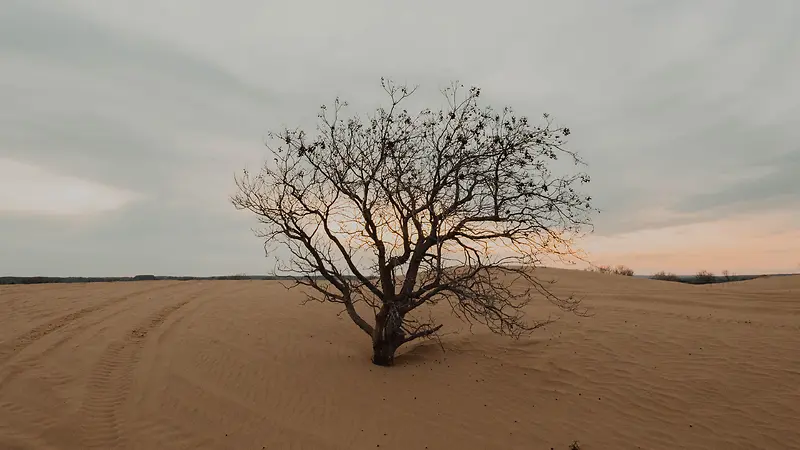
[241, 365]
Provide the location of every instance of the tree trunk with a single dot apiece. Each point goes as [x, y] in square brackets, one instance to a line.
[383, 353]
[387, 336]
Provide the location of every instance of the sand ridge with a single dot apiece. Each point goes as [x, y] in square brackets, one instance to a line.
[241, 365]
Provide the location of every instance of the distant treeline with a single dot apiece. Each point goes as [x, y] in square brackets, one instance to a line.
[705, 277]
[42, 280]
[701, 277]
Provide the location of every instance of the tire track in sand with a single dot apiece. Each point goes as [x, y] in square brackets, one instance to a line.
[109, 384]
[19, 343]
[14, 366]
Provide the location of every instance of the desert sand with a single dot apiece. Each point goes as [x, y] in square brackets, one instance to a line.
[242, 365]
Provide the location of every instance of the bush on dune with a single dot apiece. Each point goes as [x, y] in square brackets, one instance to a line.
[618, 270]
[704, 277]
[665, 276]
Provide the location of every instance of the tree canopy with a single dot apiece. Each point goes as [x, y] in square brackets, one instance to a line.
[397, 210]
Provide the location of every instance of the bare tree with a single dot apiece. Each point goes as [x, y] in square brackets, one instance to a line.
[396, 211]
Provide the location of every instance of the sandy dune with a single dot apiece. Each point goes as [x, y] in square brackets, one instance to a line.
[241, 365]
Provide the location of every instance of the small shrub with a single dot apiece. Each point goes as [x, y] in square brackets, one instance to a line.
[618, 270]
[665, 276]
[729, 276]
[704, 277]
[623, 270]
[575, 445]
[603, 269]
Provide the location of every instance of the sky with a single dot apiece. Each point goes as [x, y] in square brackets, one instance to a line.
[123, 123]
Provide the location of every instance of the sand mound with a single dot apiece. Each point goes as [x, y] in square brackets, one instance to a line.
[241, 365]
[768, 282]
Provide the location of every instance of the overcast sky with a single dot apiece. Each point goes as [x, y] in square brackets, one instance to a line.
[122, 123]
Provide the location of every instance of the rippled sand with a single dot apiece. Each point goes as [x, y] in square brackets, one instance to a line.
[241, 365]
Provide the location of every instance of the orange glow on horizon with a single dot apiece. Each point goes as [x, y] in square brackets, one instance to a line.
[763, 244]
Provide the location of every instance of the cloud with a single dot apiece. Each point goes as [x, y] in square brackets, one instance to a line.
[29, 189]
[108, 105]
[683, 110]
[775, 186]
